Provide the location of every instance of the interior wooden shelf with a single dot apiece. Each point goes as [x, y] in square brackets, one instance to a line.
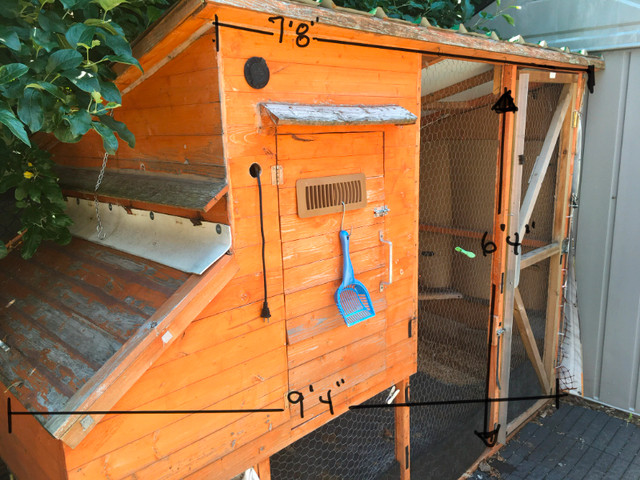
[458, 232]
[439, 294]
[191, 193]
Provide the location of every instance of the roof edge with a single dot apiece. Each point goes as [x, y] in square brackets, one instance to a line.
[445, 42]
[138, 354]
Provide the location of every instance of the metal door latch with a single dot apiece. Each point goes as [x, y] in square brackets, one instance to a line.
[380, 211]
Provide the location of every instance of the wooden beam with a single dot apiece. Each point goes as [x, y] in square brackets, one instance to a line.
[263, 469]
[518, 422]
[559, 232]
[503, 187]
[512, 269]
[460, 107]
[458, 87]
[403, 432]
[524, 327]
[541, 76]
[542, 162]
[428, 60]
[458, 232]
[539, 254]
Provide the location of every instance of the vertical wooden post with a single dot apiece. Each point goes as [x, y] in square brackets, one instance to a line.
[403, 431]
[512, 260]
[566, 155]
[263, 469]
[498, 260]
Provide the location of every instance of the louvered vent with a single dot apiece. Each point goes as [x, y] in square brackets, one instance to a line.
[319, 196]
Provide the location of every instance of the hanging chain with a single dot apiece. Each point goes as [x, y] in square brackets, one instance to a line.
[99, 228]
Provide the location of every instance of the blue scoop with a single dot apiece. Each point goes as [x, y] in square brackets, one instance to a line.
[352, 297]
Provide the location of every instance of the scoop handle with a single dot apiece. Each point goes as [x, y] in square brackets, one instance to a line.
[347, 269]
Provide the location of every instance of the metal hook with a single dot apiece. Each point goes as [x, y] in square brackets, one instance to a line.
[344, 208]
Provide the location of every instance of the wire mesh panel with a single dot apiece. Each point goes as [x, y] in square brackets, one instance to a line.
[356, 445]
[534, 280]
[459, 144]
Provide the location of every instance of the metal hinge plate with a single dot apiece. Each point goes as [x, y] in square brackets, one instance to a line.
[565, 245]
[277, 175]
[380, 211]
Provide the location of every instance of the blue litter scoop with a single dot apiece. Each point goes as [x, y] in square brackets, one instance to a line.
[352, 297]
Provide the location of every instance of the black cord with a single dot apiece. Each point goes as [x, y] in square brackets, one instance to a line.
[255, 170]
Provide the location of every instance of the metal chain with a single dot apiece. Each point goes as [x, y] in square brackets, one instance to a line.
[99, 228]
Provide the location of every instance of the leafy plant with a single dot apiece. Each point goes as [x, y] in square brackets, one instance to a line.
[440, 13]
[56, 77]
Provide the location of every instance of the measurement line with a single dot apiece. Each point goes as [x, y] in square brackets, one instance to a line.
[246, 29]
[11, 413]
[459, 402]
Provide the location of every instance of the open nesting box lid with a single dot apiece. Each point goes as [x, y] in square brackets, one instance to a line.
[189, 246]
[81, 323]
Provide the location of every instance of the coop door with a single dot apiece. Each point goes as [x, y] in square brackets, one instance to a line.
[323, 353]
[539, 193]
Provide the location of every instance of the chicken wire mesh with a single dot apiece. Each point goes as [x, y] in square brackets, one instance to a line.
[357, 445]
[459, 145]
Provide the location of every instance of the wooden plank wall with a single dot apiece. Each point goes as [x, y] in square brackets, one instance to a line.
[29, 451]
[175, 116]
[230, 357]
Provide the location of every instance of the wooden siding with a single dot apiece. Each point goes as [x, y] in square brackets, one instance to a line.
[29, 451]
[230, 357]
[175, 117]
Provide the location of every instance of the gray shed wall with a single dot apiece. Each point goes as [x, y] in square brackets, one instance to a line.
[607, 261]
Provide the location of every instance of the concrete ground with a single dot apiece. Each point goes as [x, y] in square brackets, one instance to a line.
[581, 440]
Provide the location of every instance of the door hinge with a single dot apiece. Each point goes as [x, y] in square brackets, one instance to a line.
[277, 175]
[565, 245]
[380, 211]
[576, 119]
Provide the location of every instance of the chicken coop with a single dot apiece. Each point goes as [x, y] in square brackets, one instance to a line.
[192, 327]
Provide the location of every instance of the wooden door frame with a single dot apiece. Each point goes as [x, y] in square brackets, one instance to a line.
[562, 132]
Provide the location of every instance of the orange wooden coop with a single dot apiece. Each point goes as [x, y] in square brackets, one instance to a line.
[164, 309]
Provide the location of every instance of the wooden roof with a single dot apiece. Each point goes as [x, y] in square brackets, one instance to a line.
[189, 19]
[75, 317]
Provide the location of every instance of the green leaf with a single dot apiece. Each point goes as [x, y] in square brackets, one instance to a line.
[11, 71]
[3, 251]
[79, 33]
[20, 193]
[31, 241]
[107, 5]
[120, 128]
[49, 88]
[63, 60]
[79, 122]
[498, 2]
[109, 91]
[30, 109]
[109, 140]
[10, 38]
[64, 134]
[50, 21]
[8, 118]
[126, 59]
[508, 18]
[85, 81]
[108, 26]
[118, 44]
